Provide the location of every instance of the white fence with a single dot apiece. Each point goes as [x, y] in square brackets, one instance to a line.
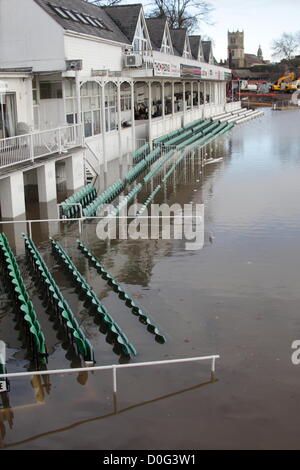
[29, 147]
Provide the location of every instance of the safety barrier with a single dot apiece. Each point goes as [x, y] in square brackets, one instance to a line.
[136, 309]
[126, 347]
[140, 153]
[58, 302]
[127, 199]
[107, 196]
[33, 327]
[85, 196]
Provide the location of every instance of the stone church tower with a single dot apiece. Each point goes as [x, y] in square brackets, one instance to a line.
[236, 54]
[260, 54]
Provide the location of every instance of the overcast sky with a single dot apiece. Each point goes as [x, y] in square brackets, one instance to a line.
[261, 20]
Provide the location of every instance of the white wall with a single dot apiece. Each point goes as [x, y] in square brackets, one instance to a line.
[95, 55]
[22, 87]
[29, 37]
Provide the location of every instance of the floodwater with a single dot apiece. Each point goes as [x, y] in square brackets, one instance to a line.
[238, 297]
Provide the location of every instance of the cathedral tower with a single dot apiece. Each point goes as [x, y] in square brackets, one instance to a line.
[236, 54]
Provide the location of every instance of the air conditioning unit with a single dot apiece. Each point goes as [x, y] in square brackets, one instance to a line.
[74, 64]
[133, 60]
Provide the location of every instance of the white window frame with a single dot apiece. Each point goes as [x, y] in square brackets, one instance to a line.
[166, 46]
[187, 49]
[141, 41]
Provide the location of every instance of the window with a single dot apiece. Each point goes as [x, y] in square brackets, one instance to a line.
[35, 99]
[98, 22]
[82, 18]
[91, 104]
[140, 43]
[60, 12]
[110, 107]
[91, 21]
[50, 90]
[186, 50]
[8, 115]
[166, 43]
[72, 15]
[78, 17]
[125, 97]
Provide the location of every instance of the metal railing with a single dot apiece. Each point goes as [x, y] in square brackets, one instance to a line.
[28, 147]
[114, 367]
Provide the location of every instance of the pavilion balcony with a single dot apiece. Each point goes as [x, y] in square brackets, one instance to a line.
[31, 147]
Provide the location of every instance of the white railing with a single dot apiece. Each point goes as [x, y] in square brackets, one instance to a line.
[114, 367]
[29, 147]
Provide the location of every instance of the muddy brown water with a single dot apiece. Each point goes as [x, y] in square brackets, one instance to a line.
[237, 297]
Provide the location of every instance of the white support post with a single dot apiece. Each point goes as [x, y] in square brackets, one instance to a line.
[75, 172]
[103, 126]
[132, 117]
[46, 177]
[173, 96]
[199, 95]
[192, 96]
[78, 97]
[12, 196]
[163, 99]
[150, 113]
[119, 120]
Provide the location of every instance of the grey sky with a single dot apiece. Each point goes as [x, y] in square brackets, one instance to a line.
[261, 20]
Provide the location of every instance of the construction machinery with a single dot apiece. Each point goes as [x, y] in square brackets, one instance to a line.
[293, 86]
[283, 82]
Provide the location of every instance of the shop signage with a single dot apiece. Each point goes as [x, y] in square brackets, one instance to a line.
[163, 69]
[189, 71]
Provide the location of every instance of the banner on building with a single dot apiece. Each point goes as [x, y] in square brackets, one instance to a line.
[189, 71]
[163, 69]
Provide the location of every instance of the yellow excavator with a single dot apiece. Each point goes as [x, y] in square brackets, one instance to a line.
[293, 86]
[283, 82]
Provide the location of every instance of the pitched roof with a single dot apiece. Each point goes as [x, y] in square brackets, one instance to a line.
[207, 49]
[195, 42]
[112, 32]
[252, 59]
[156, 29]
[178, 39]
[125, 17]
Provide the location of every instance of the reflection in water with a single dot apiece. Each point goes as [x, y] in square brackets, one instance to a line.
[6, 415]
[115, 412]
[239, 297]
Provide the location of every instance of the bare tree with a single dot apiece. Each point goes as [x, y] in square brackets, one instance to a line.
[286, 46]
[183, 13]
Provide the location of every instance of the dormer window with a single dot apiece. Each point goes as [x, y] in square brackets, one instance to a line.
[141, 41]
[166, 45]
[187, 50]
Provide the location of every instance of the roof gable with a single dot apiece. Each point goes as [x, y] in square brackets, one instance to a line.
[126, 18]
[109, 31]
[178, 37]
[156, 29]
[196, 47]
[207, 52]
